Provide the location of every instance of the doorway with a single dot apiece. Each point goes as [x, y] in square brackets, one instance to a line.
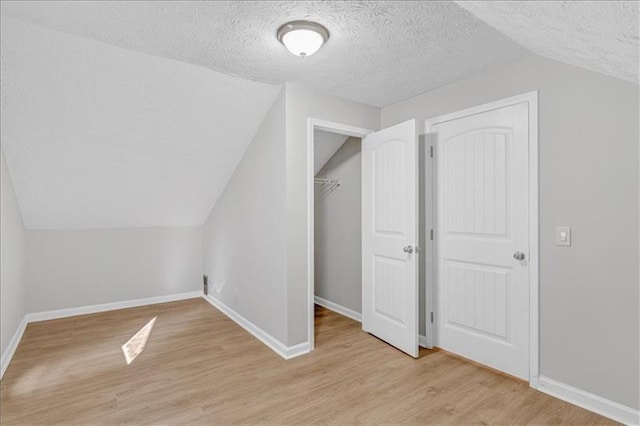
[327, 199]
[337, 223]
[484, 285]
[389, 230]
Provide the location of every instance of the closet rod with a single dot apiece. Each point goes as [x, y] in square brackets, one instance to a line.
[325, 187]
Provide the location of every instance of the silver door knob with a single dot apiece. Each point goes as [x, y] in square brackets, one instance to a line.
[518, 255]
[408, 249]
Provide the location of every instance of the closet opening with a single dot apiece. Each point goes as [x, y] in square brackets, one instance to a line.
[337, 226]
[335, 281]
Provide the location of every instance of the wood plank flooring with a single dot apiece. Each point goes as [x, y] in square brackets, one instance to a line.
[199, 367]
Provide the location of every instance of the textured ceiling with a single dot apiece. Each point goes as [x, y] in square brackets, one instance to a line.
[598, 35]
[325, 145]
[97, 136]
[132, 114]
[379, 52]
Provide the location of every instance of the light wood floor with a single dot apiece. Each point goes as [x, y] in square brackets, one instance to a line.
[200, 368]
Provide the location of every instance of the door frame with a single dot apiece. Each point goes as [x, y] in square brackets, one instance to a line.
[333, 127]
[430, 211]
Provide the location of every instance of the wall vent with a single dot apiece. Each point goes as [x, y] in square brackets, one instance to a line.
[205, 284]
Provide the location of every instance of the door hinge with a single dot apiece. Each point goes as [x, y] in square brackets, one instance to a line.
[431, 234]
[431, 317]
[431, 150]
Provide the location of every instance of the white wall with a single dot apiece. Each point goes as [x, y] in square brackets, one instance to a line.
[303, 104]
[74, 268]
[245, 234]
[325, 144]
[338, 230]
[255, 240]
[589, 319]
[12, 260]
[98, 136]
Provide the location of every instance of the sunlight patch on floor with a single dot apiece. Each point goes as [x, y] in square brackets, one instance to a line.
[137, 343]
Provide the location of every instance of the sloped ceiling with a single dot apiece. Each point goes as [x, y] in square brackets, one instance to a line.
[598, 35]
[325, 145]
[379, 52]
[97, 136]
[132, 114]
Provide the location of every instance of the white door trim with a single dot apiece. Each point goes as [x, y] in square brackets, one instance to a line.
[532, 99]
[329, 126]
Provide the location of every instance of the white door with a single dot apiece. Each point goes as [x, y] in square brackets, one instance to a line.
[482, 237]
[389, 236]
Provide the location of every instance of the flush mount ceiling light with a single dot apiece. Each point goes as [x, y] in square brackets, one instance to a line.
[302, 38]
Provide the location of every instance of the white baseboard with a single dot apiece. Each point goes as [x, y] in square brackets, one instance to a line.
[422, 340]
[589, 401]
[579, 397]
[92, 309]
[297, 350]
[13, 345]
[349, 313]
[286, 352]
[83, 310]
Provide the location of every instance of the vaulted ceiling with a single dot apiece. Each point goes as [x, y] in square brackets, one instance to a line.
[131, 114]
[326, 144]
[97, 136]
[378, 53]
[598, 35]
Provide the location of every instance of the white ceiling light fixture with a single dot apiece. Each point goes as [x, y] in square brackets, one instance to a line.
[302, 38]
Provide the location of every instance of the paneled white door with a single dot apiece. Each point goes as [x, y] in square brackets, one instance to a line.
[389, 236]
[482, 237]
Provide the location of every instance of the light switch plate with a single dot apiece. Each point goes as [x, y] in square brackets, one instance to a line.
[563, 236]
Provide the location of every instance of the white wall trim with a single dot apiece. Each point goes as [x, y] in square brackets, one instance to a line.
[286, 352]
[83, 310]
[349, 313]
[486, 107]
[534, 240]
[573, 395]
[296, 350]
[92, 309]
[597, 404]
[431, 285]
[327, 126]
[13, 345]
[422, 341]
